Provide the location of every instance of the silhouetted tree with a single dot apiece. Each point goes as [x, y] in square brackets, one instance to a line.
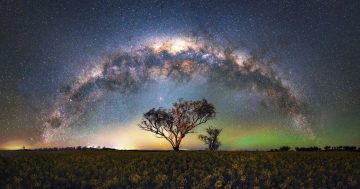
[327, 148]
[212, 139]
[173, 124]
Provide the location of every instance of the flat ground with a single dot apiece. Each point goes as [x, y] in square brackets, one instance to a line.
[186, 169]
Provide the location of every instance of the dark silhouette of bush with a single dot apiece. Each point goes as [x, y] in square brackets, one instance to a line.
[310, 149]
[327, 148]
[284, 148]
[349, 148]
[212, 139]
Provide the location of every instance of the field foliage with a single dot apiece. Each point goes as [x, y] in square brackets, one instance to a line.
[195, 169]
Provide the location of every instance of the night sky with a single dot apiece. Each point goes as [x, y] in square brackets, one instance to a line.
[83, 72]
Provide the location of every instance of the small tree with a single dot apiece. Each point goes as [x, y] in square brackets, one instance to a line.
[173, 124]
[212, 139]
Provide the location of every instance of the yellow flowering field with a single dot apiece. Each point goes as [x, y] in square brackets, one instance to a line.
[185, 169]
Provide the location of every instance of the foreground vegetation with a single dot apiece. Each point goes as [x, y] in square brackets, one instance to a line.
[132, 169]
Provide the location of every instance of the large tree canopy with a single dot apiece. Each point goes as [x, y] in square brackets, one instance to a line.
[173, 124]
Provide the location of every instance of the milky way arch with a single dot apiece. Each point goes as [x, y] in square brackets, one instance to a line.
[180, 59]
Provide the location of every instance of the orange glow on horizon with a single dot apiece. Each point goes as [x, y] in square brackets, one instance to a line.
[15, 145]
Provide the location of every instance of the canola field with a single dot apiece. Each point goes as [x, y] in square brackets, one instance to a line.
[185, 169]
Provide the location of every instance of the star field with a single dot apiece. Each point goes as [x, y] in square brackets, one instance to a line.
[83, 73]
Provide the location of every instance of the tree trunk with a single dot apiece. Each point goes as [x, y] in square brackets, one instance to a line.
[176, 148]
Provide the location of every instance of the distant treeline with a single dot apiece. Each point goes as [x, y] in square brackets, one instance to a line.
[71, 148]
[281, 149]
[315, 148]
